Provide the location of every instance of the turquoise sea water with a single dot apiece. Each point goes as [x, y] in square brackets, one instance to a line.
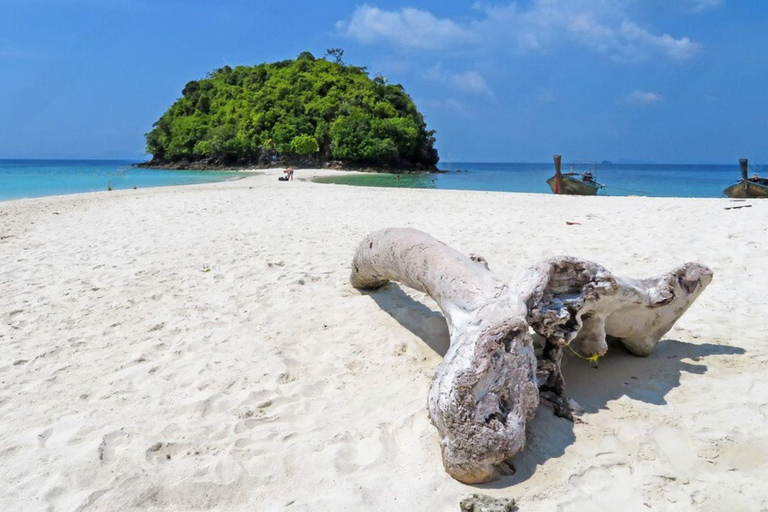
[619, 179]
[37, 178]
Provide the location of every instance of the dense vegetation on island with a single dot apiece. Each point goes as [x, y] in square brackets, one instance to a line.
[303, 110]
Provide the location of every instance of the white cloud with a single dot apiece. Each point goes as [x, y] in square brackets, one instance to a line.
[639, 97]
[468, 81]
[679, 49]
[407, 27]
[601, 26]
[628, 42]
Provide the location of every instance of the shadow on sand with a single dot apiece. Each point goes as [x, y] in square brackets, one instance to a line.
[619, 374]
[428, 325]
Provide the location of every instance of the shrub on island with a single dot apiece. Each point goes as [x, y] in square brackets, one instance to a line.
[305, 110]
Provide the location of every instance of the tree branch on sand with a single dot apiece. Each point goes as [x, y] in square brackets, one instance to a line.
[489, 383]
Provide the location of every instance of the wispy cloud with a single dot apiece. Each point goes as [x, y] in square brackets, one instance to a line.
[701, 5]
[471, 81]
[468, 81]
[450, 106]
[640, 44]
[7, 53]
[546, 96]
[601, 26]
[87, 3]
[639, 97]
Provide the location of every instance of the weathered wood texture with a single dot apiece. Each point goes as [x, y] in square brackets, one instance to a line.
[487, 387]
[484, 391]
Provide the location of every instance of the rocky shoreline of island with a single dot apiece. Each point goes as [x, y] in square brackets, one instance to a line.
[215, 165]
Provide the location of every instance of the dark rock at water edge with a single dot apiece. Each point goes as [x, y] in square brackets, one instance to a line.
[217, 165]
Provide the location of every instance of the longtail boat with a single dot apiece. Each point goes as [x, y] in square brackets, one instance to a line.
[573, 183]
[747, 187]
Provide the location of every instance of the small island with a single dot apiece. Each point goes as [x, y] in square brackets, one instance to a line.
[302, 112]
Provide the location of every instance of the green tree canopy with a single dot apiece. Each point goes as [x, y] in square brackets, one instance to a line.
[302, 108]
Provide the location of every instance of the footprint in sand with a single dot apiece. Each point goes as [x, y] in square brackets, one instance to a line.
[217, 403]
[61, 433]
[109, 443]
[360, 452]
[743, 455]
[291, 372]
[162, 452]
[679, 449]
[246, 425]
[43, 436]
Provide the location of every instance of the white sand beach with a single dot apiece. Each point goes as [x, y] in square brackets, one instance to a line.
[200, 348]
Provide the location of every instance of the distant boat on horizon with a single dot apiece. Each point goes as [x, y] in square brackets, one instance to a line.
[573, 183]
[750, 188]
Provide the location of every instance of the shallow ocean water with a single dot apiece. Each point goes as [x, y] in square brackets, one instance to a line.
[38, 178]
[619, 179]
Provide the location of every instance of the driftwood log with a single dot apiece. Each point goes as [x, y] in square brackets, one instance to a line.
[577, 303]
[488, 385]
[485, 390]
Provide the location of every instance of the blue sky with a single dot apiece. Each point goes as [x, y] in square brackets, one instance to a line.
[645, 80]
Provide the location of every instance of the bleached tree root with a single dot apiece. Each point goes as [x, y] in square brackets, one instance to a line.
[578, 303]
[487, 387]
[484, 391]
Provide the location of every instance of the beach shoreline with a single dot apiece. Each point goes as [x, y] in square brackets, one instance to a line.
[45, 178]
[199, 346]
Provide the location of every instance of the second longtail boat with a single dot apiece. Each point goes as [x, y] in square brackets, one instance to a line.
[747, 187]
[573, 183]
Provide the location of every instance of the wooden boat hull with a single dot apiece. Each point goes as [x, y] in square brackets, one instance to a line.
[573, 187]
[747, 189]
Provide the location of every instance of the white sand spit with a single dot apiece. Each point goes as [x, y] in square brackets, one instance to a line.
[200, 348]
